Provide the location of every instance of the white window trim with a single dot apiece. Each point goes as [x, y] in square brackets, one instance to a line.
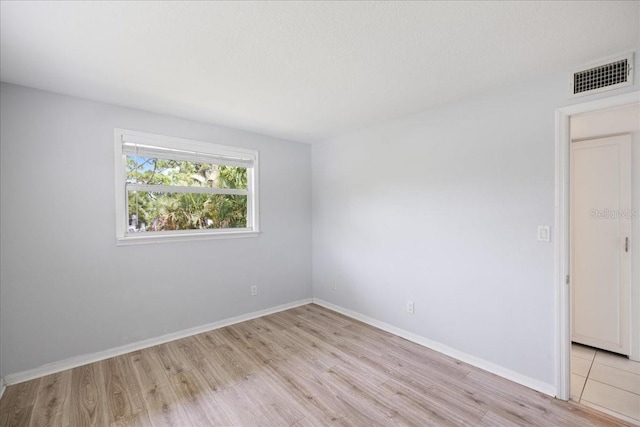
[124, 238]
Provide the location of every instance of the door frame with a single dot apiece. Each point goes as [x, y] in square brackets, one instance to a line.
[561, 237]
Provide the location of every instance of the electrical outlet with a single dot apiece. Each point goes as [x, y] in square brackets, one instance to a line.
[410, 307]
[254, 290]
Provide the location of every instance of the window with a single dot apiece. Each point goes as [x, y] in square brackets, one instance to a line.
[171, 189]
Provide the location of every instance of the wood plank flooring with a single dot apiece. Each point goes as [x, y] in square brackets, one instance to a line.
[307, 366]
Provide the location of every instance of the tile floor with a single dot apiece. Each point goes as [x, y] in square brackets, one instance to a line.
[606, 381]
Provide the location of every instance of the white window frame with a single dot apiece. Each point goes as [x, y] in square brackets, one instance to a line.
[250, 157]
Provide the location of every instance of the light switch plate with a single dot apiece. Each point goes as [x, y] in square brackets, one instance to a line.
[544, 233]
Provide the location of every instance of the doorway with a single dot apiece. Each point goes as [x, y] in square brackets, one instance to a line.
[562, 236]
[601, 214]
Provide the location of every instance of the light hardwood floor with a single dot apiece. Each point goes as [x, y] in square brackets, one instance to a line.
[304, 366]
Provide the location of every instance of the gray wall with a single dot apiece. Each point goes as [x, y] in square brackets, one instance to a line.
[442, 208]
[67, 290]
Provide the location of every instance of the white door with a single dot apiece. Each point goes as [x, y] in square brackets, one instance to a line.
[600, 226]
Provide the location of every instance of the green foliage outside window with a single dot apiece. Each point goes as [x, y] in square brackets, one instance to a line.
[160, 211]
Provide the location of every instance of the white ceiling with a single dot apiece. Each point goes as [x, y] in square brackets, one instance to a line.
[305, 71]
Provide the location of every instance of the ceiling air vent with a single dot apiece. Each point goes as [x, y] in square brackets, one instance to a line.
[603, 76]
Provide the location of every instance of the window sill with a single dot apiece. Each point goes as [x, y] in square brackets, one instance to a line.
[145, 239]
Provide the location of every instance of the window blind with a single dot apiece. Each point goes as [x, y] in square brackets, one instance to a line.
[143, 147]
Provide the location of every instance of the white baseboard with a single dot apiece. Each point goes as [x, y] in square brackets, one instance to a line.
[74, 362]
[63, 365]
[532, 383]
